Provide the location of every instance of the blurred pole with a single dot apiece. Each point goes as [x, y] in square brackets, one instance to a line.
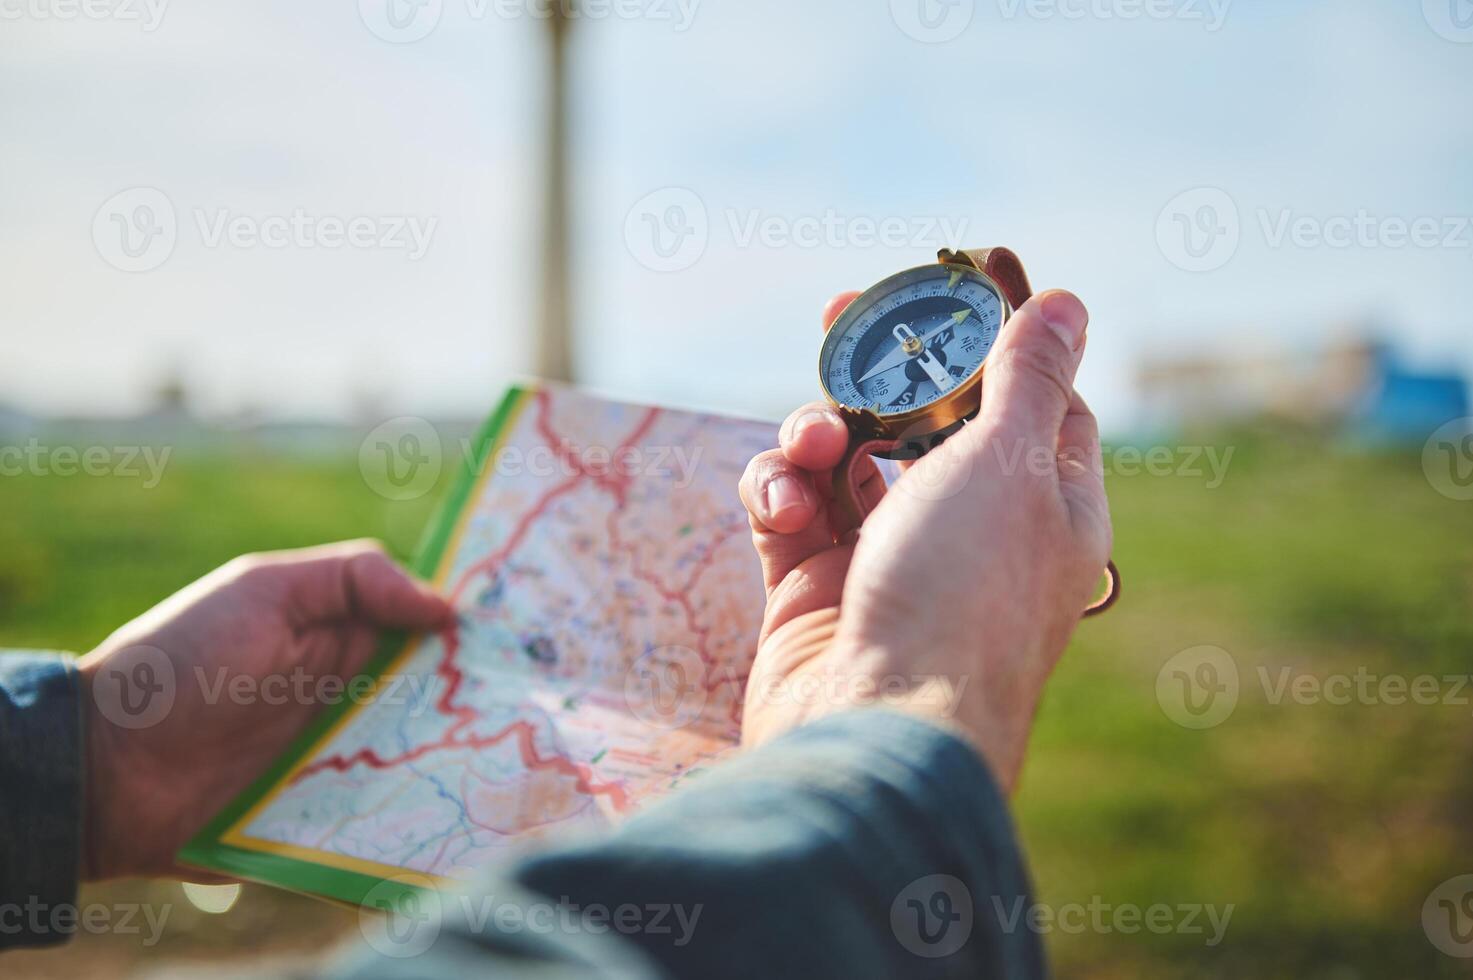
[554, 338]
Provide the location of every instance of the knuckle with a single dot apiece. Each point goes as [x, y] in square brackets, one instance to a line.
[361, 548]
[244, 568]
[370, 560]
[1037, 365]
[752, 473]
[766, 464]
[241, 564]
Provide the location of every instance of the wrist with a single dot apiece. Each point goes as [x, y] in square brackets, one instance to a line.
[983, 708]
[812, 667]
[103, 768]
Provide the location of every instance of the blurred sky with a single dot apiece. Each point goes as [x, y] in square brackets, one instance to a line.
[1062, 129]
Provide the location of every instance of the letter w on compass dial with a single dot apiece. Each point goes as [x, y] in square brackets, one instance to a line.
[912, 340]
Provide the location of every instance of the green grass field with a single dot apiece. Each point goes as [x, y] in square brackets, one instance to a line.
[1324, 826]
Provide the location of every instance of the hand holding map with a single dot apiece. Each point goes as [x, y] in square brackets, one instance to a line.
[607, 604]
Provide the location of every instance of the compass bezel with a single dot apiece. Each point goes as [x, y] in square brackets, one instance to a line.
[951, 408]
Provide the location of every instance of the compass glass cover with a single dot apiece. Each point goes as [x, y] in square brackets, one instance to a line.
[911, 340]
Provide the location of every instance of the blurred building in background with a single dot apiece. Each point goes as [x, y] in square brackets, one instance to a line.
[1361, 388]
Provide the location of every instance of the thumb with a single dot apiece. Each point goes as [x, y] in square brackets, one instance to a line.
[355, 580]
[1029, 380]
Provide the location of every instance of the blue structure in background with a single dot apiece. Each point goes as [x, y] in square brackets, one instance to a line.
[1403, 405]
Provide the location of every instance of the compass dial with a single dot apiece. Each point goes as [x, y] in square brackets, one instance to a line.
[911, 340]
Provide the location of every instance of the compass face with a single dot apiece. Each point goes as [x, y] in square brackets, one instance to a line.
[911, 340]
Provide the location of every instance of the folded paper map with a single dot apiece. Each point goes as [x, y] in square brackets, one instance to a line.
[608, 604]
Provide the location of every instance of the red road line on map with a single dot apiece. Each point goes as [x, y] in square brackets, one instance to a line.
[681, 595]
[526, 745]
[451, 674]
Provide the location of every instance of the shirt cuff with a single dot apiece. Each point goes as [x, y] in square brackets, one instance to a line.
[41, 809]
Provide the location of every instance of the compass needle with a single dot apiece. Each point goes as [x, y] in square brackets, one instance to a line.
[906, 348]
[935, 370]
[905, 357]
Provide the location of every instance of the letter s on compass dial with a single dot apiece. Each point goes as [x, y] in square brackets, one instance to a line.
[908, 352]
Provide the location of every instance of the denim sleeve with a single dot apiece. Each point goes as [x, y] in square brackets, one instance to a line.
[40, 798]
[868, 844]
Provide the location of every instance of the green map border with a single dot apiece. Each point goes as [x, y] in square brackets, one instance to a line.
[208, 852]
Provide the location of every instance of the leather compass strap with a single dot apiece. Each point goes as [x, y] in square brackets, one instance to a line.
[1003, 267]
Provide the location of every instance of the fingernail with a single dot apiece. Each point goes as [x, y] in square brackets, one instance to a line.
[808, 420]
[1066, 317]
[783, 493]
